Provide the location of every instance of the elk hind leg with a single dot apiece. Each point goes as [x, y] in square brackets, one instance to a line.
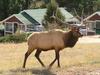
[37, 54]
[56, 58]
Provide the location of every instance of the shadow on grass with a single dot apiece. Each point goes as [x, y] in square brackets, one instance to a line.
[32, 72]
[86, 63]
[1, 72]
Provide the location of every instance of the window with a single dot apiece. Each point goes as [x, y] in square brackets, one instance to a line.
[30, 28]
[8, 26]
[98, 25]
[23, 27]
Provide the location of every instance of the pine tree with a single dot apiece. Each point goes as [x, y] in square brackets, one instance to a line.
[53, 13]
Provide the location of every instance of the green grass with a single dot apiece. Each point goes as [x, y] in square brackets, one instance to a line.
[12, 56]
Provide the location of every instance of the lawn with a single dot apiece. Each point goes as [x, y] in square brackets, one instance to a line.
[83, 55]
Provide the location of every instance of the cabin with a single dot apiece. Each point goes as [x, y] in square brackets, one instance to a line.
[93, 22]
[31, 20]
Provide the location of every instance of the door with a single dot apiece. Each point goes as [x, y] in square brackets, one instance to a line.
[98, 27]
[15, 27]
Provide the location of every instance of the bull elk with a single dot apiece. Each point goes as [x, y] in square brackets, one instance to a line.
[51, 40]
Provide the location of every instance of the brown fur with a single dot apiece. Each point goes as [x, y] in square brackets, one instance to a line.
[49, 40]
[46, 40]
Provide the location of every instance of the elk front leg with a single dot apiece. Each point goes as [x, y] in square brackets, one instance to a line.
[58, 56]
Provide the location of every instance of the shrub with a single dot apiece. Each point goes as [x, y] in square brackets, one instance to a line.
[14, 38]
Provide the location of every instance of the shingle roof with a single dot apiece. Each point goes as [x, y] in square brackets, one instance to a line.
[19, 17]
[23, 19]
[29, 17]
[38, 14]
[68, 17]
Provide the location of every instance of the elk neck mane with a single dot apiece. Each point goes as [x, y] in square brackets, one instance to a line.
[69, 39]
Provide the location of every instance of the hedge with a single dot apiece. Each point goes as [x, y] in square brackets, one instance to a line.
[14, 38]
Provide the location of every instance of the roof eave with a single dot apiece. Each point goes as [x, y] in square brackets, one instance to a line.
[7, 18]
[91, 16]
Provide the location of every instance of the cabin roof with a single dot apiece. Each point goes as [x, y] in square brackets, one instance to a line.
[68, 16]
[35, 16]
[95, 16]
[23, 19]
[19, 17]
[38, 14]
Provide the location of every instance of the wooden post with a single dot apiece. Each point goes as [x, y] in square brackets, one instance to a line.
[12, 28]
[25, 28]
[4, 29]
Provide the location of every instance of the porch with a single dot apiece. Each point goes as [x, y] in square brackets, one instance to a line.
[12, 27]
[94, 26]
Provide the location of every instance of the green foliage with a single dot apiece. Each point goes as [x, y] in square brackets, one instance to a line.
[52, 13]
[87, 5]
[51, 9]
[14, 38]
[9, 7]
[97, 5]
[59, 15]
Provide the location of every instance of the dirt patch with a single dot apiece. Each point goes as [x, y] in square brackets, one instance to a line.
[90, 39]
[79, 71]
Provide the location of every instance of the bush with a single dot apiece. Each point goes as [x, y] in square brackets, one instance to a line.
[14, 38]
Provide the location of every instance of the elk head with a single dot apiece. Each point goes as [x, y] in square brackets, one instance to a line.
[76, 31]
